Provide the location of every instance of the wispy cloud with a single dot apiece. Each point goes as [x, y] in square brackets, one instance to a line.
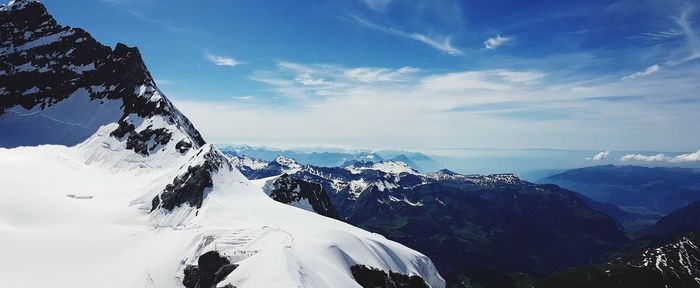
[527, 77]
[500, 106]
[378, 5]
[496, 80]
[659, 36]
[692, 39]
[684, 28]
[308, 80]
[373, 74]
[600, 156]
[301, 81]
[495, 42]
[317, 74]
[681, 55]
[243, 98]
[168, 25]
[650, 70]
[221, 60]
[443, 44]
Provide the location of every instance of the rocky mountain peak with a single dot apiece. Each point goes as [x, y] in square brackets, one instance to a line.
[16, 5]
[51, 74]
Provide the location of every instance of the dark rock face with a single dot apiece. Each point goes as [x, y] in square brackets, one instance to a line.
[189, 188]
[183, 145]
[43, 64]
[139, 141]
[211, 269]
[369, 277]
[287, 189]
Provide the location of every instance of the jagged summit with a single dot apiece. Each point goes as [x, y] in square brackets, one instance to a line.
[50, 74]
[446, 172]
[391, 167]
[285, 161]
[16, 5]
[132, 189]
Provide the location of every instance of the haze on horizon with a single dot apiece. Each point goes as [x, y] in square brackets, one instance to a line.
[594, 75]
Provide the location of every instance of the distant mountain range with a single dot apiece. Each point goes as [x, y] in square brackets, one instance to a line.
[337, 157]
[461, 221]
[635, 189]
[500, 231]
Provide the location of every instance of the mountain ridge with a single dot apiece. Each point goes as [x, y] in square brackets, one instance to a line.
[139, 192]
[656, 190]
[457, 219]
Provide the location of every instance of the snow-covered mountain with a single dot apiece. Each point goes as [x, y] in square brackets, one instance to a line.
[114, 187]
[335, 157]
[461, 221]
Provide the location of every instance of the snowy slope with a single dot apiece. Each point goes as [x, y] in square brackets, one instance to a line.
[113, 236]
[141, 196]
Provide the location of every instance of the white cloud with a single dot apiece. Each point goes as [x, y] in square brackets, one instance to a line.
[243, 98]
[443, 44]
[650, 70]
[372, 74]
[496, 80]
[660, 36]
[499, 106]
[221, 60]
[692, 50]
[495, 42]
[691, 36]
[336, 75]
[308, 80]
[299, 68]
[470, 80]
[271, 80]
[303, 81]
[645, 158]
[690, 157]
[600, 156]
[526, 77]
[378, 5]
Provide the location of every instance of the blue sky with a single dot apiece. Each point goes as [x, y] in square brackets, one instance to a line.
[597, 75]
